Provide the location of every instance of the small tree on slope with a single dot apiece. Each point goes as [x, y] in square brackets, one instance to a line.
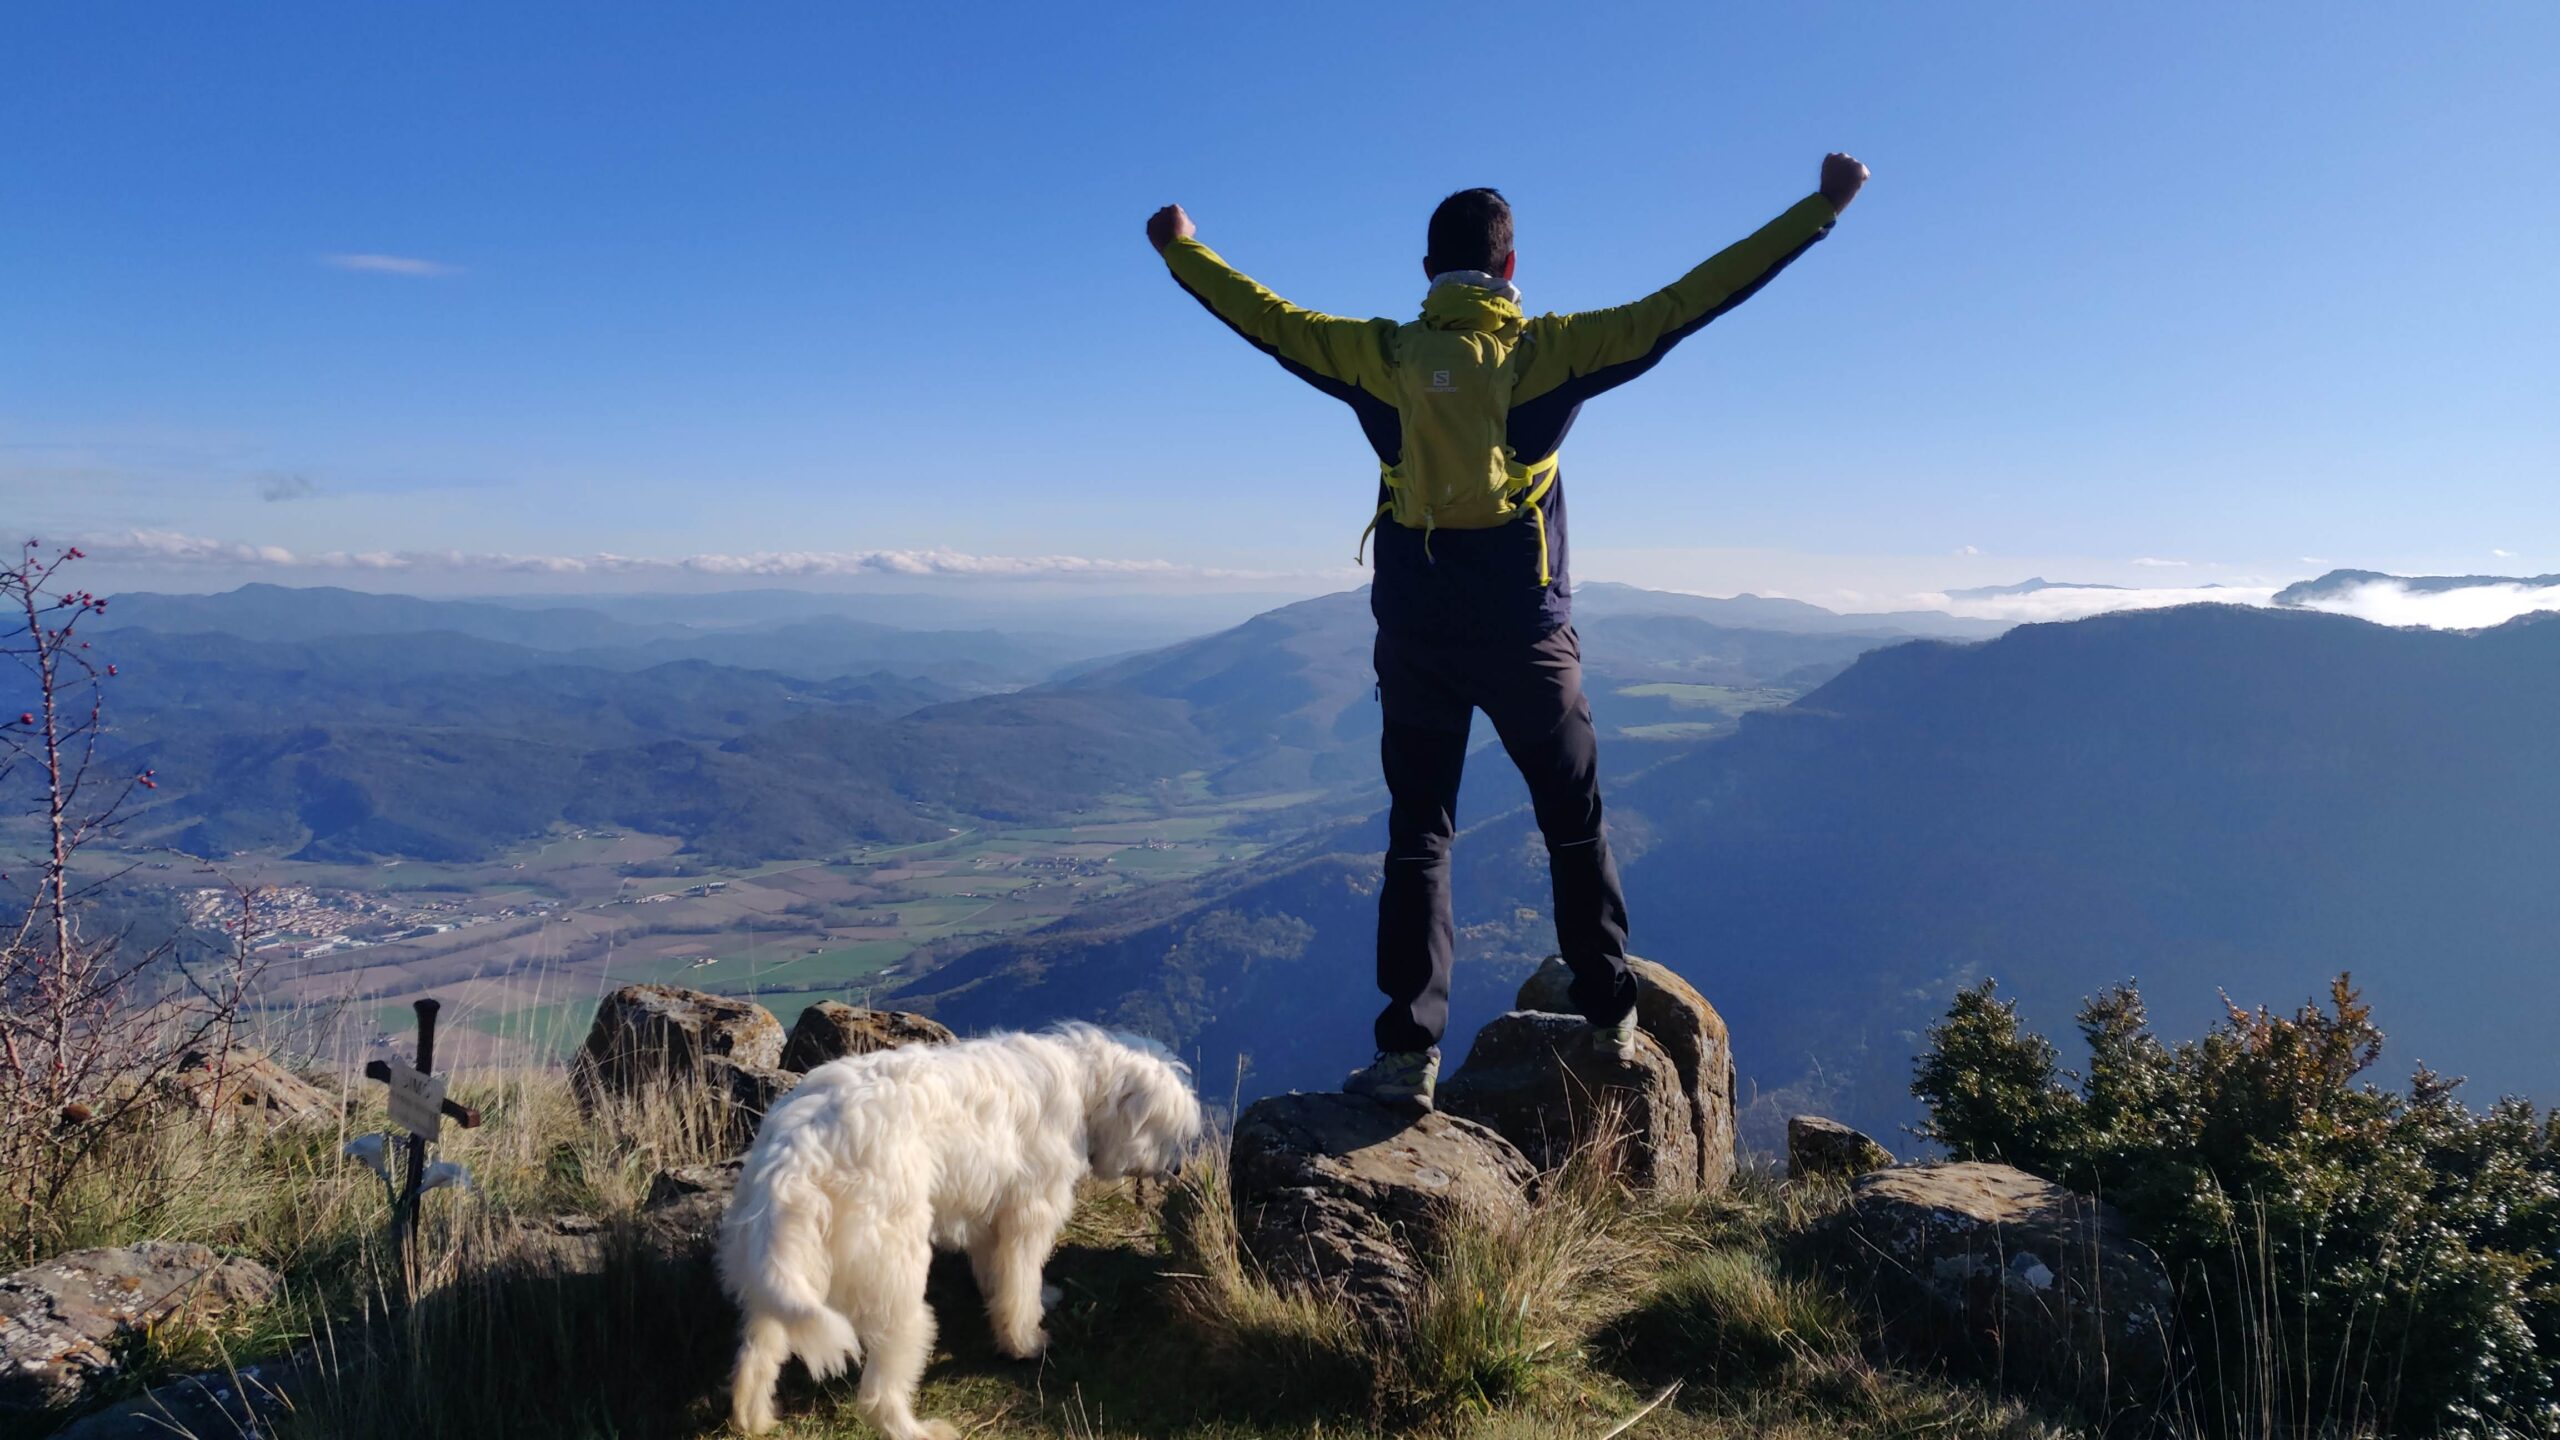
[90, 1027]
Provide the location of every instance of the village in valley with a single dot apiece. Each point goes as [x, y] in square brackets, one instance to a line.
[519, 948]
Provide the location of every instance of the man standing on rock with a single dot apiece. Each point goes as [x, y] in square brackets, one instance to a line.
[1466, 407]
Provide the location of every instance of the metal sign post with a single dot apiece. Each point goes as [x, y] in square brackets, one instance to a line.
[419, 1107]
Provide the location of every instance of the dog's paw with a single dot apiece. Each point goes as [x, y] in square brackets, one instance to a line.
[1050, 1295]
[937, 1430]
[1030, 1347]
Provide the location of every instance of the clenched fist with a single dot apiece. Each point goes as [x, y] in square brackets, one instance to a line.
[1841, 177]
[1168, 225]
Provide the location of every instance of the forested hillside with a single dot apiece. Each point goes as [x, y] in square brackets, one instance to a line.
[2206, 799]
[344, 726]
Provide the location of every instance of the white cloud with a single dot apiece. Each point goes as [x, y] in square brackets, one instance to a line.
[2150, 562]
[408, 266]
[2383, 602]
[169, 548]
[2472, 607]
[165, 547]
[2504, 554]
[1968, 550]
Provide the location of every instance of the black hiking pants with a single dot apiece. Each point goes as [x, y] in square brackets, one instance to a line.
[1532, 691]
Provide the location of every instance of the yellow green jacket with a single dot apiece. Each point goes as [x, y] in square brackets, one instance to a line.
[1512, 580]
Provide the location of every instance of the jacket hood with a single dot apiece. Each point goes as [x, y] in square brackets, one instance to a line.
[1455, 305]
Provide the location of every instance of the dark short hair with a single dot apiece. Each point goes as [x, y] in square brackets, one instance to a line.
[1470, 231]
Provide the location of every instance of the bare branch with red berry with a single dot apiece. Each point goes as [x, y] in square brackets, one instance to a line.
[90, 1025]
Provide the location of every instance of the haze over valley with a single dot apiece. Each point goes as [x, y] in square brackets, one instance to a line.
[1829, 822]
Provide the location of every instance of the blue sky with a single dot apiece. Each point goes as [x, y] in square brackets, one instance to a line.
[2254, 289]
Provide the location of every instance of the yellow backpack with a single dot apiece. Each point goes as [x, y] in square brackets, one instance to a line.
[1453, 375]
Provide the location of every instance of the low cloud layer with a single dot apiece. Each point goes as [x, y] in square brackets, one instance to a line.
[164, 547]
[2384, 602]
[2472, 607]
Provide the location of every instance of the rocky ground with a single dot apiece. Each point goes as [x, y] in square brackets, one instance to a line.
[1568, 1242]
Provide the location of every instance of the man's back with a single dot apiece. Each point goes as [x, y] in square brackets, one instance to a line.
[1513, 581]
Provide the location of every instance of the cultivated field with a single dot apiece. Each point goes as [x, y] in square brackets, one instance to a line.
[519, 949]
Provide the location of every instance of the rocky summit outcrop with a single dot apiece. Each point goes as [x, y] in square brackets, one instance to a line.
[64, 1322]
[1340, 1195]
[1820, 1147]
[242, 1082]
[1540, 1082]
[1992, 1266]
[648, 1036]
[646, 1033]
[831, 1030]
[1689, 1030]
[730, 1050]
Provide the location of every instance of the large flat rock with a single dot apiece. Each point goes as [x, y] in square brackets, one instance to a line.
[1989, 1264]
[63, 1322]
[1343, 1195]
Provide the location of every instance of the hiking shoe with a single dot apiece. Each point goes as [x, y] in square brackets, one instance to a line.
[1398, 1077]
[1617, 1041]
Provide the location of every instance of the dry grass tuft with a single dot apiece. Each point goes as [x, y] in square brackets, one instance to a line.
[1511, 1299]
[1245, 1329]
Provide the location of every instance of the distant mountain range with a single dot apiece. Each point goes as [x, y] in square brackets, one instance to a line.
[290, 613]
[1286, 696]
[817, 645]
[2023, 587]
[2212, 799]
[337, 724]
[1602, 599]
[438, 746]
[1107, 621]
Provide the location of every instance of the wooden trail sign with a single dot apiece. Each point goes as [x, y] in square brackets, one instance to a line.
[419, 1107]
[417, 1101]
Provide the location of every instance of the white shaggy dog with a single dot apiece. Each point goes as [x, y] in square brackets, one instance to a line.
[876, 1159]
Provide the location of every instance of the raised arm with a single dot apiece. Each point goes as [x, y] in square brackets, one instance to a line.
[1604, 347]
[1328, 351]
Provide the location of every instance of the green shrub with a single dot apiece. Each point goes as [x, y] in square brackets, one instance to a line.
[2349, 1258]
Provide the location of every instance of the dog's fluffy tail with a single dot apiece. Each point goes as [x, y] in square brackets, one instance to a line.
[775, 1262]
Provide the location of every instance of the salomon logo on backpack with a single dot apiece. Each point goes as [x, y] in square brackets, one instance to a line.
[1454, 370]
